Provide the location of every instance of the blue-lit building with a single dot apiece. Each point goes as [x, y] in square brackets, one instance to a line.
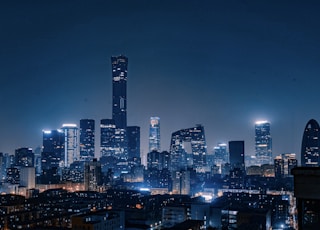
[154, 134]
[87, 139]
[194, 136]
[310, 145]
[263, 143]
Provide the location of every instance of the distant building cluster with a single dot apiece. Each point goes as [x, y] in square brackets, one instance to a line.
[187, 187]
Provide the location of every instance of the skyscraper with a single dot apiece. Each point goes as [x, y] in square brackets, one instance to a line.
[236, 151]
[310, 144]
[70, 144]
[87, 138]
[52, 149]
[263, 143]
[154, 134]
[133, 134]
[119, 104]
[195, 136]
[119, 90]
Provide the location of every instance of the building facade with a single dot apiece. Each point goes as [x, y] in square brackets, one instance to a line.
[263, 143]
[310, 145]
[71, 153]
[87, 139]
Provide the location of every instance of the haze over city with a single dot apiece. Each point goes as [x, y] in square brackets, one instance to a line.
[220, 64]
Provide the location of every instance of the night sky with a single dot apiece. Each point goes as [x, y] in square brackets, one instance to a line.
[222, 64]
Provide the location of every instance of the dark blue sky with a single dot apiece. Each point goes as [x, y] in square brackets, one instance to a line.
[223, 64]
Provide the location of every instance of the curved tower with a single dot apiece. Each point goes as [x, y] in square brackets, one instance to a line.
[310, 145]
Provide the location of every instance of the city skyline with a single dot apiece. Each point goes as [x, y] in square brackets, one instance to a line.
[217, 64]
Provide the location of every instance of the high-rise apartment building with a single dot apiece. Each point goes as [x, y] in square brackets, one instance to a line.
[263, 143]
[154, 134]
[133, 134]
[70, 144]
[87, 138]
[52, 155]
[310, 145]
[194, 136]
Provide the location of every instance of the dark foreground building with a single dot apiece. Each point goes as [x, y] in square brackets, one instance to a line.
[307, 192]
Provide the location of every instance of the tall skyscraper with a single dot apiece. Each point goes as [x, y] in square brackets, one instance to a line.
[154, 134]
[195, 136]
[87, 138]
[119, 89]
[310, 145]
[70, 144]
[236, 151]
[52, 155]
[133, 134]
[119, 104]
[263, 143]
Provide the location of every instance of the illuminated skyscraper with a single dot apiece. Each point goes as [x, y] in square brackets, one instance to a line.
[70, 144]
[154, 134]
[87, 134]
[52, 149]
[310, 145]
[263, 143]
[195, 136]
